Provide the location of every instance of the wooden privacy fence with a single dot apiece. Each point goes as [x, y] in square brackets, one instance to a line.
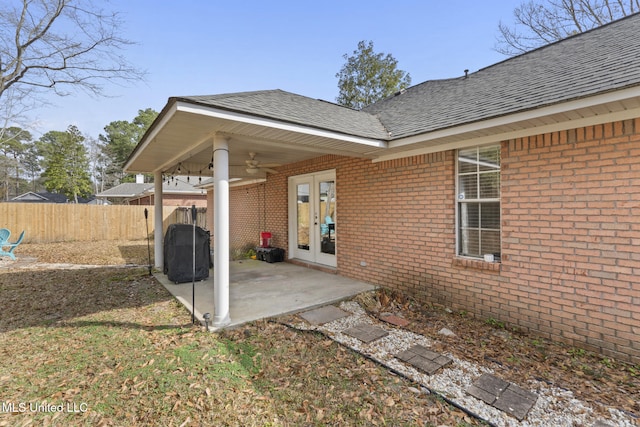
[182, 215]
[50, 222]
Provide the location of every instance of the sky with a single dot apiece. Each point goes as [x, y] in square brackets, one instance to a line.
[205, 47]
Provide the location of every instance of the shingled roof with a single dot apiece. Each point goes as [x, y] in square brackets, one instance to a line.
[296, 109]
[582, 79]
[131, 190]
[595, 62]
[126, 190]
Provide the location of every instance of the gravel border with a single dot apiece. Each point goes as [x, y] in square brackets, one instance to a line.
[554, 407]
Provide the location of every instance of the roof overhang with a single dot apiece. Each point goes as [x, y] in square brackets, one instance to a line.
[182, 136]
[599, 109]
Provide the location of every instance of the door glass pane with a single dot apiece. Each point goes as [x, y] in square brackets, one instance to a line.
[326, 217]
[302, 195]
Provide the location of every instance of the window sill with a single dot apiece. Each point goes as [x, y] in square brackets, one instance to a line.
[475, 263]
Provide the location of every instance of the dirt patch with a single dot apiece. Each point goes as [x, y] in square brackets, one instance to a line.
[114, 252]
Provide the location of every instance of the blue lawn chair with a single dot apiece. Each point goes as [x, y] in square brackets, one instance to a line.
[4, 235]
[12, 247]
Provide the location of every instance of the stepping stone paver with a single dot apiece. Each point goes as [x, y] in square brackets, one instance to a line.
[394, 320]
[503, 395]
[424, 359]
[366, 333]
[487, 388]
[321, 315]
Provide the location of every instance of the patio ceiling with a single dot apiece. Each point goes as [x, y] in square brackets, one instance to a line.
[183, 135]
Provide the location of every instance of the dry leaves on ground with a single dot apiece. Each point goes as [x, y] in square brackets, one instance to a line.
[113, 252]
[58, 297]
[517, 357]
[115, 340]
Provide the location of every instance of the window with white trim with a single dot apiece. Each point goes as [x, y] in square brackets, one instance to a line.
[478, 179]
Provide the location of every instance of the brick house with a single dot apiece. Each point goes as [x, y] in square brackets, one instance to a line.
[176, 192]
[512, 192]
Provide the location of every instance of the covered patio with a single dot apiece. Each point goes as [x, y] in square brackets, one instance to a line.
[239, 138]
[259, 290]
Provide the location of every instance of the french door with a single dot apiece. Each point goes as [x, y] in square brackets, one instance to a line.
[312, 217]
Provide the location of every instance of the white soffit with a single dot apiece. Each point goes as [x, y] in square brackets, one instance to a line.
[187, 129]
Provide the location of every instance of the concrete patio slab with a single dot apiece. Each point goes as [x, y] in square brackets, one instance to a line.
[259, 290]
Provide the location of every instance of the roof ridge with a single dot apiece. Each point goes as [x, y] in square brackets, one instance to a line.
[227, 94]
[241, 101]
[570, 37]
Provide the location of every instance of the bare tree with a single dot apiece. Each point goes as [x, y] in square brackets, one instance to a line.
[59, 45]
[542, 22]
[97, 162]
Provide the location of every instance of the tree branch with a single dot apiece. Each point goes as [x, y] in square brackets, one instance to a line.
[538, 23]
[82, 56]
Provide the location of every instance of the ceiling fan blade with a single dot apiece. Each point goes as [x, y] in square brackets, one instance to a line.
[270, 165]
[269, 170]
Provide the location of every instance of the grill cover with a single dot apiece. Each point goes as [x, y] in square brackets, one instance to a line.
[178, 253]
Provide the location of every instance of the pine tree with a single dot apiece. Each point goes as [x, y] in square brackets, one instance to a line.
[66, 163]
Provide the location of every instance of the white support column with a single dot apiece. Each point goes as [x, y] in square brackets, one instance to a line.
[221, 231]
[157, 220]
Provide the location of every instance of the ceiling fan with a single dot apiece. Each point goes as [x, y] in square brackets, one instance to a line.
[254, 166]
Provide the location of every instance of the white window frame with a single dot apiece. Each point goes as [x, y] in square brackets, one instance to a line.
[459, 201]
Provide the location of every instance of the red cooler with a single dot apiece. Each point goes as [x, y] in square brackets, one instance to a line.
[265, 239]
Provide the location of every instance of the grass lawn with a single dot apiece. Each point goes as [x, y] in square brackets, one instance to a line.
[110, 347]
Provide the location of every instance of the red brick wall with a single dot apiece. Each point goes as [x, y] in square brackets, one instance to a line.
[570, 266]
[400, 217]
[246, 216]
[571, 236]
